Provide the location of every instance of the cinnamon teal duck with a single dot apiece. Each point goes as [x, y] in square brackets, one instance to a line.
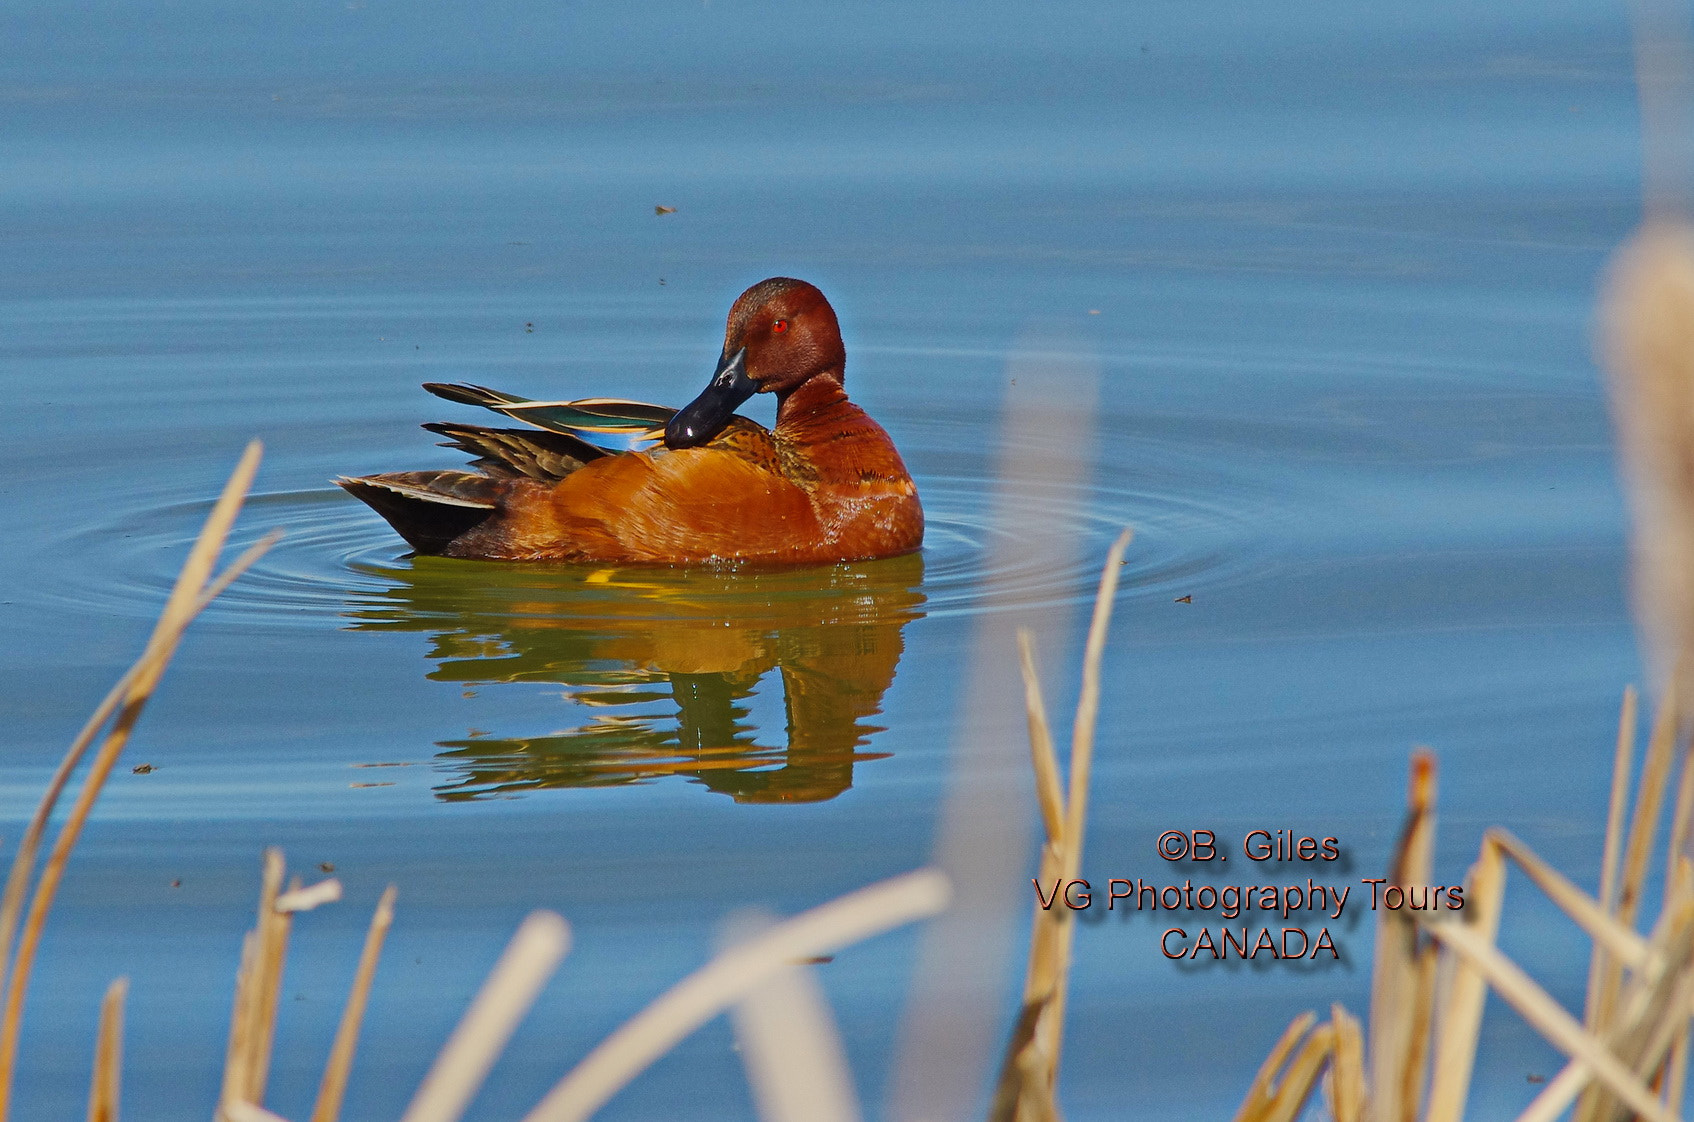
[703, 485]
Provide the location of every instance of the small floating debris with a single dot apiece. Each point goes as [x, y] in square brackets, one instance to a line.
[664, 210]
[141, 769]
[370, 784]
[1183, 600]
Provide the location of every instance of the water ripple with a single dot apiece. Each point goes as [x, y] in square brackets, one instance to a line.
[1195, 527]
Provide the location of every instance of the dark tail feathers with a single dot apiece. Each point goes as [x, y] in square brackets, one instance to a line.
[427, 508]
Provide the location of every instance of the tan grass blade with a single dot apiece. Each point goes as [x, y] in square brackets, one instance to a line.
[1460, 1010]
[1561, 1090]
[1261, 1093]
[1632, 883]
[1676, 860]
[1649, 1025]
[790, 1045]
[1347, 1073]
[184, 600]
[1680, 817]
[333, 1087]
[1081, 772]
[1621, 943]
[255, 991]
[724, 980]
[1644, 823]
[310, 897]
[104, 1089]
[1048, 791]
[1402, 978]
[1029, 1068]
[1599, 963]
[1088, 706]
[512, 987]
[250, 1112]
[1548, 1018]
[1296, 1084]
[29, 845]
[1676, 1073]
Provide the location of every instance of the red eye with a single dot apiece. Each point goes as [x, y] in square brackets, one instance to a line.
[779, 326]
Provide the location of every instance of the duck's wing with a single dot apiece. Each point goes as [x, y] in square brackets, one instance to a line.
[592, 414]
[510, 453]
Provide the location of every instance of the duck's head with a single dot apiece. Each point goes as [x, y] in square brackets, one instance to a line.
[781, 334]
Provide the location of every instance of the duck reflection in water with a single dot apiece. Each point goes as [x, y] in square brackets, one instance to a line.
[670, 662]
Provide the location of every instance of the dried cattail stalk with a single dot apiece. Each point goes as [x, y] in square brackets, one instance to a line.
[195, 585]
[1403, 975]
[1459, 1007]
[1261, 1093]
[512, 987]
[104, 1088]
[1545, 1014]
[252, 1023]
[1346, 1083]
[1599, 964]
[333, 1087]
[790, 1045]
[728, 978]
[1029, 1070]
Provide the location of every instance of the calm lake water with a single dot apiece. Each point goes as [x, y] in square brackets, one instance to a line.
[1327, 272]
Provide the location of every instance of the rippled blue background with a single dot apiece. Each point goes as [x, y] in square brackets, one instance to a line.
[1342, 257]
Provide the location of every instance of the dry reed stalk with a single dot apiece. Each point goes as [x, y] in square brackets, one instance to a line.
[258, 983]
[333, 1087]
[790, 1046]
[1599, 964]
[1346, 1082]
[1548, 1018]
[1643, 824]
[186, 599]
[1403, 974]
[512, 987]
[1261, 1093]
[250, 1112]
[1028, 1080]
[1081, 770]
[29, 845]
[105, 1086]
[1043, 757]
[273, 931]
[1624, 946]
[728, 978]
[298, 899]
[1676, 1072]
[1296, 1084]
[245, 1032]
[1459, 1005]
[948, 1036]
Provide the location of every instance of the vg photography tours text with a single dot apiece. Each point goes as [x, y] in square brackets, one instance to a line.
[1287, 918]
